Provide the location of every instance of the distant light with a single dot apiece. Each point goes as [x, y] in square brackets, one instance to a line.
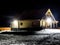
[49, 20]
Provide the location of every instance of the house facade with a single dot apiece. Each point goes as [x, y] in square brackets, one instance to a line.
[48, 21]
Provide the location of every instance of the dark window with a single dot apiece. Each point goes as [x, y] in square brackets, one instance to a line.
[21, 23]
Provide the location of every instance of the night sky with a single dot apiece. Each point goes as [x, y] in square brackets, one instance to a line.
[27, 10]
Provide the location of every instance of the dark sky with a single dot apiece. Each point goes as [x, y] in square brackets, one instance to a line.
[27, 10]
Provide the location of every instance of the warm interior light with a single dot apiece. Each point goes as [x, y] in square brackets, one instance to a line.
[49, 20]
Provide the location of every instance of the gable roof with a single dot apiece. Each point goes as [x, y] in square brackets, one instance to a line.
[49, 13]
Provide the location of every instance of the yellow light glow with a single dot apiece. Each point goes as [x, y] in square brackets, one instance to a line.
[5, 28]
[48, 12]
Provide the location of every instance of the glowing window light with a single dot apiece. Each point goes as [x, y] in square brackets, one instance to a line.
[15, 23]
[49, 20]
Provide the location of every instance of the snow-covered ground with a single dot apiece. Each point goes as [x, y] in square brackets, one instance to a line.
[48, 31]
[43, 38]
[10, 39]
[7, 39]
